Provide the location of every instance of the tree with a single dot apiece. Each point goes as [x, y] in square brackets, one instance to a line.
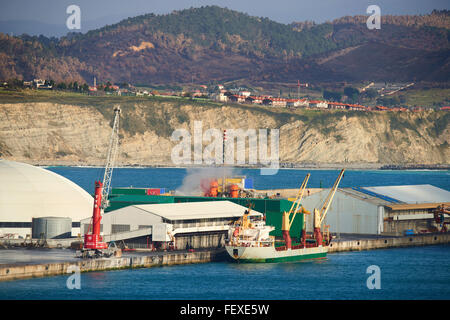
[332, 96]
[351, 93]
[85, 87]
[61, 86]
[371, 93]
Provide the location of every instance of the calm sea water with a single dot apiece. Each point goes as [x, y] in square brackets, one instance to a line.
[172, 178]
[406, 273]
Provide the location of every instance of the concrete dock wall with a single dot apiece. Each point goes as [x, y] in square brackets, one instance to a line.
[391, 242]
[20, 271]
[16, 272]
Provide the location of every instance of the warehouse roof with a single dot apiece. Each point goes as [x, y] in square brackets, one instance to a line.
[419, 206]
[424, 193]
[196, 210]
[364, 196]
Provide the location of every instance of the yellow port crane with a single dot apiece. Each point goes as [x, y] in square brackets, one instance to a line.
[287, 220]
[319, 215]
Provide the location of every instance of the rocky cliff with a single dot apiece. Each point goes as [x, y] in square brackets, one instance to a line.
[52, 133]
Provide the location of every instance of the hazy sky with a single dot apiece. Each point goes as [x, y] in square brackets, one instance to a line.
[285, 11]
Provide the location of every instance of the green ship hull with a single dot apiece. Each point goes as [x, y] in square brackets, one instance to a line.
[271, 255]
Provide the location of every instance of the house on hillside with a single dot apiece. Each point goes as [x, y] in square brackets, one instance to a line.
[254, 100]
[245, 93]
[355, 107]
[336, 105]
[275, 102]
[236, 98]
[318, 104]
[221, 97]
[295, 103]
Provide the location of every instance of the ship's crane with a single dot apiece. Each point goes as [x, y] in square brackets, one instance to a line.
[320, 214]
[93, 242]
[287, 220]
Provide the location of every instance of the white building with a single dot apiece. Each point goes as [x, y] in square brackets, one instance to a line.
[318, 104]
[28, 192]
[202, 224]
[245, 93]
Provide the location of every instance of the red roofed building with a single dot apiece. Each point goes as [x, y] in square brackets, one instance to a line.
[318, 104]
[336, 105]
[356, 107]
[297, 103]
[276, 102]
[447, 108]
[237, 98]
[254, 100]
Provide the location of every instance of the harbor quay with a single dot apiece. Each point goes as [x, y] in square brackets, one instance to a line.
[41, 265]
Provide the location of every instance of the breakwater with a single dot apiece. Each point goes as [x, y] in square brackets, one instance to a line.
[389, 242]
[23, 271]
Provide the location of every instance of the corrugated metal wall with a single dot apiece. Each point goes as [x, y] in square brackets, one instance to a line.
[273, 208]
[346, 214]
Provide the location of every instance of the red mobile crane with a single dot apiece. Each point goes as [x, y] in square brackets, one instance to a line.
[94, 247]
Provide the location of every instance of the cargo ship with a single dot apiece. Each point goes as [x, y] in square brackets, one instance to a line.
[250, 240]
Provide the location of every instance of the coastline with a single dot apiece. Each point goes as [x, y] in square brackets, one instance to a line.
[12, 271]
[283, 166]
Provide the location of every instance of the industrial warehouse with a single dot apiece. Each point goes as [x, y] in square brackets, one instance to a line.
[384, 210]
[171, 225]
[54, 202]
[35, 198]
[154, 227]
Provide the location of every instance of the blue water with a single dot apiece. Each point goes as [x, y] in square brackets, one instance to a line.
[405, 273]
[172, 178]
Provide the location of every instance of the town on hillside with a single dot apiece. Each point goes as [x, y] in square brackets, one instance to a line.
[220, 93]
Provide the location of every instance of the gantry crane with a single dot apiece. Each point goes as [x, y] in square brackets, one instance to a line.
[93, 241]
[320, 214]
[287, 220]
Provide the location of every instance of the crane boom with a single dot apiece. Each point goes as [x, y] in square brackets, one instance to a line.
[111, 158]
[298, 199]
[320, 214]
[324, 209]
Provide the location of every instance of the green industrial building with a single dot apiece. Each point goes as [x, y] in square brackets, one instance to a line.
[272, 208]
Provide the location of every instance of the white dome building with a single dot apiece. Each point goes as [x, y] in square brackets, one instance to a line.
[28, 192]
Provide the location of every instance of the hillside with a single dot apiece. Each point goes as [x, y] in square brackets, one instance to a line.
[76, 132]
[217, 44]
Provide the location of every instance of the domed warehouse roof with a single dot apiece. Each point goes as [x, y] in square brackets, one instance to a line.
[28, 192]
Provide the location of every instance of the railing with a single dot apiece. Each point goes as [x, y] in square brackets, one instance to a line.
[252, 243]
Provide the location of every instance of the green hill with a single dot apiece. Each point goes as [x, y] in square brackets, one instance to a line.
[213, 43]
